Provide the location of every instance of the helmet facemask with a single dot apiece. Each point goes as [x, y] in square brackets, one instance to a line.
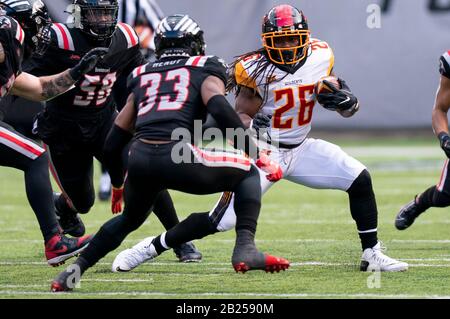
[286, 47]
[98, 19]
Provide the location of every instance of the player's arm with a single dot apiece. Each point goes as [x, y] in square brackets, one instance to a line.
[213, 95]
[247, 105]
[43, 88]
[2, 54]
[439, 114]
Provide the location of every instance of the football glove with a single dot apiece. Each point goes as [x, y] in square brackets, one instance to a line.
[338, 99]
[87, 63]
[261, 121]
[116, 199]
[444, 138]
[272, 168]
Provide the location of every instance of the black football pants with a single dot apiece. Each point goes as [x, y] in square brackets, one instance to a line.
[152, 168]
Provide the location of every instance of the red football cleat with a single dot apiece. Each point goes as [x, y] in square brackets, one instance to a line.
[60, 248]
[271, 264]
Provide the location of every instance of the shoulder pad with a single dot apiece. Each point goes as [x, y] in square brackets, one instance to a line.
[444, 67]
[130, 35]
[62, 37]
[242, 73]
[8, 23]
[324, 53]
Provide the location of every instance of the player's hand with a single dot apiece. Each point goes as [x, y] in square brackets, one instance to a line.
[261, 121]
[116, 200]
[444, 138]
[338, 99]
[272, 168]
[87, 63]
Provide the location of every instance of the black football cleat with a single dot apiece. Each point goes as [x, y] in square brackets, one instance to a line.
[407, 215]
[247, 257]
[60, 248]
[66, 280]
[187, 253]
[69, 221]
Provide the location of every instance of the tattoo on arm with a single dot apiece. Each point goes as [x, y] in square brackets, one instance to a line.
[56, 85]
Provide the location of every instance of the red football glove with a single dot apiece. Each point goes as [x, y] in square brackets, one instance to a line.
[272, 168]
[116, 200]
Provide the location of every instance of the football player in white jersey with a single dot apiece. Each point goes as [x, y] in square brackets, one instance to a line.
[437, 195]
[277, 83]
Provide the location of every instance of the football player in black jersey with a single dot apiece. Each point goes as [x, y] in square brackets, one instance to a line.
[20, 152]
[181, 86]
[74, 125]
[437, 195]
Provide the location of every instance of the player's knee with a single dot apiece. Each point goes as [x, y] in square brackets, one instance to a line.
[441, 199]
[362, 184]
[84, 206]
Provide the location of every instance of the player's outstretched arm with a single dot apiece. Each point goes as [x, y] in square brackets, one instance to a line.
[46, 87]
[439, 114]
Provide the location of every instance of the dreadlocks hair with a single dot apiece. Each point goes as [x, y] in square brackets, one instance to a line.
[262, 66]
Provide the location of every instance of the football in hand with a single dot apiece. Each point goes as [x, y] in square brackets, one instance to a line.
[323, 88]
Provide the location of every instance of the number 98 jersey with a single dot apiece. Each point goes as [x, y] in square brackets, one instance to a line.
[91, 94]
[290, 97]
[167, 94]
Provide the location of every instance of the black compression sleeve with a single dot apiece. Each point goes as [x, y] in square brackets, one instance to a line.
[226, 117]
[117, 139]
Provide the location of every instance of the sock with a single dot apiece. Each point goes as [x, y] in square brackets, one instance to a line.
[40, 196]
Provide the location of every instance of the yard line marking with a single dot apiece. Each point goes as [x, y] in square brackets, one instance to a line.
[225, 294]
[306, 240]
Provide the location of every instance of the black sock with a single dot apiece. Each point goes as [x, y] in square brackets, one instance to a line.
[425, 200]
[195, 226]
[40, 195]
[165, 211]
[363, 208]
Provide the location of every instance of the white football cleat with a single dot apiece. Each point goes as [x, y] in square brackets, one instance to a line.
[131, 258]
[373, 259]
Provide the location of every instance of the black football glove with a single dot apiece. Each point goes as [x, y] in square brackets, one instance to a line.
[339, 99]
[261, 121]
[87, 63]
[445, 143]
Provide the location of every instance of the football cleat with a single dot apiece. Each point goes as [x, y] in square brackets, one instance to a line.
[65, 281]
[60, 248]
[373, 259]
[104, 192]
[247, 257]
[70, 222]
[131, 258]
[407, 215]
[187, 253]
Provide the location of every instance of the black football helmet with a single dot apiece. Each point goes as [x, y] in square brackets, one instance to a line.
[97, 18]
[34, 19]
[285, 35]
[179, 35]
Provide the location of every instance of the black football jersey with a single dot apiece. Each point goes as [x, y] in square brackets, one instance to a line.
[444, 67]
[168, 94]
[12, 37]
[93, 92]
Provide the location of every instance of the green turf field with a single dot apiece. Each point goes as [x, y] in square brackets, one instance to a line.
[312, 228]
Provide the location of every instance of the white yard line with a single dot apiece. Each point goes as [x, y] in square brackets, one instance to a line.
[218, 294]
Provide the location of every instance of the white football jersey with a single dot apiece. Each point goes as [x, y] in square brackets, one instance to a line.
[291, 97]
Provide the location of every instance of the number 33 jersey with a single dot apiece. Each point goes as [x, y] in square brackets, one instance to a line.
[290, 97]
[167, 95]
[92, 93]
